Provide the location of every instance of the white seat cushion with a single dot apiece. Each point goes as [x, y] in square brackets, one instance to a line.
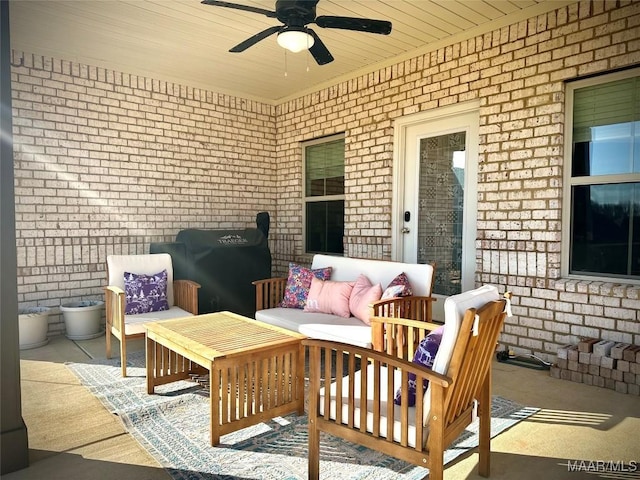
[383, 405]
[318, 325]
[359, 335]
[134, 324]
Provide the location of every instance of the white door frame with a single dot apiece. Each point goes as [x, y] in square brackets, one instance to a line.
[401, 125]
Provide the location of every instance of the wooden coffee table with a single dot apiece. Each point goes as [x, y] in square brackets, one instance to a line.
[256, 370]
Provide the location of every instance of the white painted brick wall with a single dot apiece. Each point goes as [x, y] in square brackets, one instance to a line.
[107, 162]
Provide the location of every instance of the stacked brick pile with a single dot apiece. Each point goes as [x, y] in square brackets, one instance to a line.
[602, 363]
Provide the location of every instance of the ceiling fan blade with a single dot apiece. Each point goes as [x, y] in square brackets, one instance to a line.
[382, 27]
[247, 8]
[319, 51]
[242, 46]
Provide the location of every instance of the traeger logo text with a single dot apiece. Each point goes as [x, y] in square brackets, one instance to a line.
[232, 240]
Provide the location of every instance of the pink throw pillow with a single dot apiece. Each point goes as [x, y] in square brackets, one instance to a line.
[326, 296]
[362, 295]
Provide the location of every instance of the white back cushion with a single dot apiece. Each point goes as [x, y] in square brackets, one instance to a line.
[347, 269]
[454, 308]
[146, 264]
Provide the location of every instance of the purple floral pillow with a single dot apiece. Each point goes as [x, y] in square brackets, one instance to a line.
[145, 293]
[425, 354]
[298, 284]
[399, 287]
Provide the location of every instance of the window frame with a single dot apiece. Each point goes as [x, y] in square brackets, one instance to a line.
[313, 199]
[569, 181]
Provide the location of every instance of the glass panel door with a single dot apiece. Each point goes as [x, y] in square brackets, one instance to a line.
[440, 208]
[436, 190]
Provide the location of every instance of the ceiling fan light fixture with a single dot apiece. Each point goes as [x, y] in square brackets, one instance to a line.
[295, 40]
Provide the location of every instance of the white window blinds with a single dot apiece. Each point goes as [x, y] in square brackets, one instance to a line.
[324, 166]
[607, 104]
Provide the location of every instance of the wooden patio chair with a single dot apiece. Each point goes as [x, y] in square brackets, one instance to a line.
[182, 298]
[360, 407]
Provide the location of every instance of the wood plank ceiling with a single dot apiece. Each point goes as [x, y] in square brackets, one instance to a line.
[187, 42]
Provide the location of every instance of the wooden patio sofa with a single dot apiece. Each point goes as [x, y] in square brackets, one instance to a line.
[325, 326]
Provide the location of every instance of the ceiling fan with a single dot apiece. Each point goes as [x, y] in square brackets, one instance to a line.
[294, 35]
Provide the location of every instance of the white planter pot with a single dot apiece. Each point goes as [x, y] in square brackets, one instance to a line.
[33, 326]
[82, 320]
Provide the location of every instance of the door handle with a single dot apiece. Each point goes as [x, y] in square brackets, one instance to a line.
[405, 230]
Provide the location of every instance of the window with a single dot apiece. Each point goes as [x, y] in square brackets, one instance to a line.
[324, 195]
[603, 178]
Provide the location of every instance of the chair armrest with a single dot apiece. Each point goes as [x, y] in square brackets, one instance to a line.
[415, 307]
[406, 322]
[269, 292]
[114, 307]
[371, 356]
[185, 295]
[113, 290]
[399, 337]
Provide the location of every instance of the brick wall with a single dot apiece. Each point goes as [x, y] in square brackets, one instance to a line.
[75, 123]
[107, 162]
[517, 73]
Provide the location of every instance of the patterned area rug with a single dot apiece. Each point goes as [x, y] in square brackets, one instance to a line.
[173, 425]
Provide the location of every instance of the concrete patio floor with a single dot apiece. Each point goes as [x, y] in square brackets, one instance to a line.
[72, 436]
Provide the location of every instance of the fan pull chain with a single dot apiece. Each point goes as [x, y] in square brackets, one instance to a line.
[285, 64]
[308, 53]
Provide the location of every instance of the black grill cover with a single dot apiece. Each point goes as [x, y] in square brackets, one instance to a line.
[224, 263]
[178, 254]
